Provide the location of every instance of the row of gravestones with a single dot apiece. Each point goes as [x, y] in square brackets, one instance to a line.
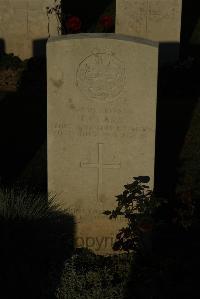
[102, 91]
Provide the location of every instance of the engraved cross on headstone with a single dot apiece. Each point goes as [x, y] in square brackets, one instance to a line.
[100, 166]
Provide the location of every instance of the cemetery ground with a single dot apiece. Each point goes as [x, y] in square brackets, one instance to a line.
[37, 254]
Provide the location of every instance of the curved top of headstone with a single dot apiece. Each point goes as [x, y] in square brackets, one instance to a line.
[114, 36]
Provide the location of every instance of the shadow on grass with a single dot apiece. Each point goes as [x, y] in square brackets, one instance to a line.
[171, 270]
[23, 124]
[178, 92]
[167, 265]
[35, 240]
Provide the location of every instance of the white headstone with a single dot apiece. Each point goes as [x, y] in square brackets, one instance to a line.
[158, 20]
[25, 26]
[101, 125]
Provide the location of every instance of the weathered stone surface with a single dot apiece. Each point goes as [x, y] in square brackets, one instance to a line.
[101, 125]
[158, 20]
[23, 21]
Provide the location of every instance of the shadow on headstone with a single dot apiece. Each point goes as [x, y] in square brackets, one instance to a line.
[39, 47]
[33, 252]
[23, 127]
[2, 46]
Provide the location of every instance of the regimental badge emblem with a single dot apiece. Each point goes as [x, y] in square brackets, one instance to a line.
[101, 76]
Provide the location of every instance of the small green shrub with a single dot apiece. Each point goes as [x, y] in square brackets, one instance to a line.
[168, 229]
[89, 276]
[18, 204]
[36, 237]
[137, 204]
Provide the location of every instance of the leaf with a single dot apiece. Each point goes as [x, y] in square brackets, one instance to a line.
[125, 193]
[117, 246]
[143, 179]
[114, 214]
[119, 197]
[107, 212]
[119, 235]
[118, 210]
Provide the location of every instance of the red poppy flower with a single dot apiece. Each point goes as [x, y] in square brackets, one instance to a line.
[106, 22]
[73, 24]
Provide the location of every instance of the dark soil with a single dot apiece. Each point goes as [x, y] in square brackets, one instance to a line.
[23, 123]
[9, 79]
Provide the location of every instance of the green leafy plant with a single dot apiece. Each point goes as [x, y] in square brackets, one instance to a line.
[170, 226]
[86, 275]
[136, 204]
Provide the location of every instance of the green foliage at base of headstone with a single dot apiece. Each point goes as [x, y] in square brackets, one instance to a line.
[163, 235]
[136, 204]
[88, 276]
[146, 214]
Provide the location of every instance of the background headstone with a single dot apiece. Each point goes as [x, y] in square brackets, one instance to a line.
[24, 23]
[101, 125]
[157, 20]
